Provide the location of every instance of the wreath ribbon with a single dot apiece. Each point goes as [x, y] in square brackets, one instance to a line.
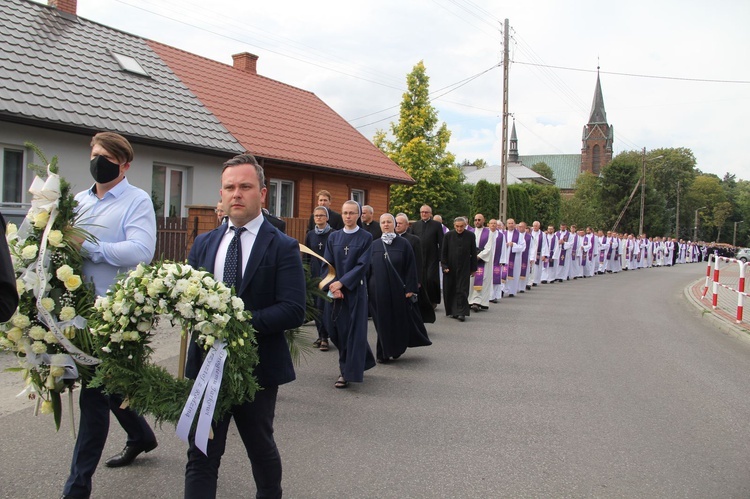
[331, 271]
[208, 382]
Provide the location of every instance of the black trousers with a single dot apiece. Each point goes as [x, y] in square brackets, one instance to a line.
[254, 422]
[92, 435]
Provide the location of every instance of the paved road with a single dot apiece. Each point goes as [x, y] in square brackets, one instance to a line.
[615, 386]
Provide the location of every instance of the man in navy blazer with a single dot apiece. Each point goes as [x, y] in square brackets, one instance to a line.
[272, 285]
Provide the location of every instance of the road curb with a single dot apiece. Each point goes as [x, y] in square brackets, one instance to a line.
[720, 319]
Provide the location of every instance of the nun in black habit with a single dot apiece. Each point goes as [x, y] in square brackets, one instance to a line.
[393, 289]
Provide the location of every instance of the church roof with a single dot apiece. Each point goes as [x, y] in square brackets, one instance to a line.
[598, 114]
[517, 174]
[566, 167]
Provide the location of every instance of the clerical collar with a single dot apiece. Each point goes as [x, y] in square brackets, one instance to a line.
[351, 231]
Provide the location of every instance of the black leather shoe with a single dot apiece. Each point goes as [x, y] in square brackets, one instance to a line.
[129, 453]
[461, 318]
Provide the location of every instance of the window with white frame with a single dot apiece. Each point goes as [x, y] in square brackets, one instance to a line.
[358, 195]
[281, 197]
[12, 178]
[169, 191]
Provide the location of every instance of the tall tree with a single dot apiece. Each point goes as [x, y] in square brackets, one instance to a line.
[544, 170]
[418, 145]
[486, 200]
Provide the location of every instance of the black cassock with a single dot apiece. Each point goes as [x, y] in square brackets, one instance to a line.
[397, 320]
[460, 258]
[431, 235]
[425, 305]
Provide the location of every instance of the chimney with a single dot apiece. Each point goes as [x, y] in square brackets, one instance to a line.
[67, 6]
[245, 61]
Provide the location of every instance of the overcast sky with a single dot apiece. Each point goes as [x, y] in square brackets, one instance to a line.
[355, 56]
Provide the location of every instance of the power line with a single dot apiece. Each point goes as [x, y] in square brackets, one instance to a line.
[453, 87]
[634, 75]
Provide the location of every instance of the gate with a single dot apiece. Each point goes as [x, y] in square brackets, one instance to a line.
[172, 237]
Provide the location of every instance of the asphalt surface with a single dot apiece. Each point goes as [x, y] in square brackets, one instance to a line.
[613, 386]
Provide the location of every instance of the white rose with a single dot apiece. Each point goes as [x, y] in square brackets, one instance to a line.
[50, 337]
[73, 282]
[237, 303]
[20, 287]
[29, 252]
[56, 371]
[138, 297]
[213, 301]
[115, 337]
[138, 271]
[11, 229]
[64, 272]
[55, 238]
[144, 326]
[41, 219]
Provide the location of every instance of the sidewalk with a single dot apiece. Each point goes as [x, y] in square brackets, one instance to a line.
[725, 313]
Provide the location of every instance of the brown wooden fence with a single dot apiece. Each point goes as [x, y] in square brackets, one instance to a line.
[175, 235]
[172, 237]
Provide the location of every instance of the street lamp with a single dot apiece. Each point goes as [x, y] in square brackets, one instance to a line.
[643, 188]
[695, 228]
[734, 237]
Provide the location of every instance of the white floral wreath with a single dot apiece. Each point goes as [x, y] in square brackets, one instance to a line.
[125, 322]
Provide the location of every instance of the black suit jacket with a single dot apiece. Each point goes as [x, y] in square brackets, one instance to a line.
[8, 292]
[274, 291]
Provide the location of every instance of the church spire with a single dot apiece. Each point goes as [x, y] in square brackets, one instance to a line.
[513, 154]
[598, 114]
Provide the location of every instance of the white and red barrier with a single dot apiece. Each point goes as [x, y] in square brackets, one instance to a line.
[716, 283]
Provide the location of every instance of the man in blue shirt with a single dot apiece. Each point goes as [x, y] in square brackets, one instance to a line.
[121, 217]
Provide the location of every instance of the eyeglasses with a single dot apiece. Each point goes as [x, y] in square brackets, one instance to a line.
[477, 219]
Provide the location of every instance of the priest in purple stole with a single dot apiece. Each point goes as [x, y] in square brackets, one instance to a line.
[515, 245]
[499, 272]
[563, 263]
[524, 283]
[481, 287]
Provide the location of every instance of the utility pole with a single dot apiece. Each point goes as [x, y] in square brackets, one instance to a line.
[643, 192]
[504, 158]
[677, 222]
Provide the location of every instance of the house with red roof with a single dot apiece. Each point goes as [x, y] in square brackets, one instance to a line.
[67, 78]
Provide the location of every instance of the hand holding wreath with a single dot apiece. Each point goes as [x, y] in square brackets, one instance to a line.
[125, 322]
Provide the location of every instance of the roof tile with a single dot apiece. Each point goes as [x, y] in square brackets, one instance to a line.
[61, 70]
[278, 121]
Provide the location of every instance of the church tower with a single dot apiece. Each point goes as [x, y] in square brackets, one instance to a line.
[598, 135]
[513, 154]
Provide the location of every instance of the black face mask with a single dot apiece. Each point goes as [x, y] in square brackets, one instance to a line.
[103, 170]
